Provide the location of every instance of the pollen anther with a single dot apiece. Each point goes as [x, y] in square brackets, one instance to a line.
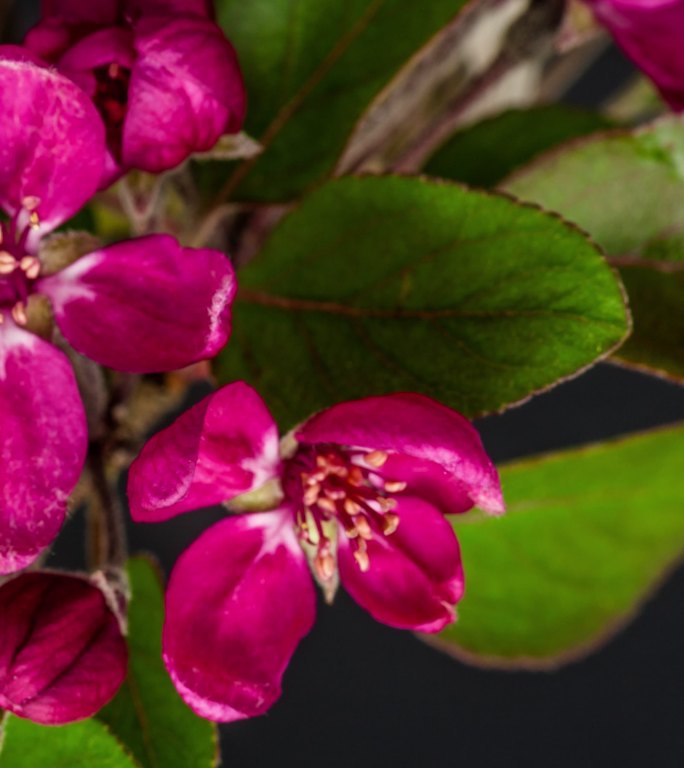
[31, 266]
[395, 486]
[376, 458]
[19, 313]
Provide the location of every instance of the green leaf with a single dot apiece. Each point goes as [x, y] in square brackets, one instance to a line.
[147, 714]
[589, 533]
[627, 191]
[87, 744]
[311, 68]
[485, 153]
[388, 283]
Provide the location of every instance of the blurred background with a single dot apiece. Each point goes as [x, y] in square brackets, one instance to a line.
[359, 693]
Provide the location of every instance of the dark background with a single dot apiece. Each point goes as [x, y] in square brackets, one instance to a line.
[361, 694]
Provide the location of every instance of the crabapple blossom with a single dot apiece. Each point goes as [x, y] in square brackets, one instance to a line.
[143, 305]
[359, 490]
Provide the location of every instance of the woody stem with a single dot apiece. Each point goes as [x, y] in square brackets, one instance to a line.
[106, 532]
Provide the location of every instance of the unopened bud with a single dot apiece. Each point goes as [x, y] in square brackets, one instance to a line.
[62, 654]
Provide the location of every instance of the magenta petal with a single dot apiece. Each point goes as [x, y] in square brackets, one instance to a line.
[185, 92]
[145, 305]
[651, 34]
[48, 39]
[203, 8]
[101, 12]
[99, 49]
[52, 144]
[452, 468]
[239, 601]
[415, 575]
[42, 444]
[224, 446]
[62, 654]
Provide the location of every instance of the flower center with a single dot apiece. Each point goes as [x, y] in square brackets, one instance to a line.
[111, 99]
[18, 269]
[343, 485]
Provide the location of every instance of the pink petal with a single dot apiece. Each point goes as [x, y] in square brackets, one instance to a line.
[186, 90]
[62, 655]
[113, 45]
[239, 601]
[99, 49]
[452, 468]
[48, 39]
[145, 305]
[203, 8]
[101, 12]
[415, 575]
[42, 444]
[650, 33]
[224, 446]
[52, 144]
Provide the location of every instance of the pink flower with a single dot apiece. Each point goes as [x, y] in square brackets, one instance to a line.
[360, 489]
[141, 306]
[161, 73]
[650, 32]
[62, 654]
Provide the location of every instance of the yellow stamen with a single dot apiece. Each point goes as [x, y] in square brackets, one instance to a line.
[324, 563]
[328, 505]
[19, 313]
[31, 266]
[351, 507]
[363, 527]
[395, 486]
[376, 458]
[7, 263]
[390, 523]
[362, 559]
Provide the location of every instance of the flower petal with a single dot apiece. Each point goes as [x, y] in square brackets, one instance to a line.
[138, 8]
[62, 654]
[452, 468]
[102, 12]
[650, 33]
[52, 145]
[42, 444]
[224, 446]
[239, 601]
[102, 48]
[414, 576]
[144, 305]
[186, 90]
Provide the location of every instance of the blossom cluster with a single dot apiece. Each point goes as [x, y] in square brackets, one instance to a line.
[357, 494]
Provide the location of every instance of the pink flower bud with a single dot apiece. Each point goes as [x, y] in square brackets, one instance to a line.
[650, 32]
[62, 654]
[162, 74]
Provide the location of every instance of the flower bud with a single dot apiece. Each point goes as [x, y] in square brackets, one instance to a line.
[650, 33]
[62, 653]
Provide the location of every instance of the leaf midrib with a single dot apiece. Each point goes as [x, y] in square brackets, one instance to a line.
[262, 298]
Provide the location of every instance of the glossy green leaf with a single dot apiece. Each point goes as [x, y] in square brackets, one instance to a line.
[387, 283]
[147, 714]
[589, 533]
[87, 744]
[485, 153]
[627, 191]
[311, 68]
